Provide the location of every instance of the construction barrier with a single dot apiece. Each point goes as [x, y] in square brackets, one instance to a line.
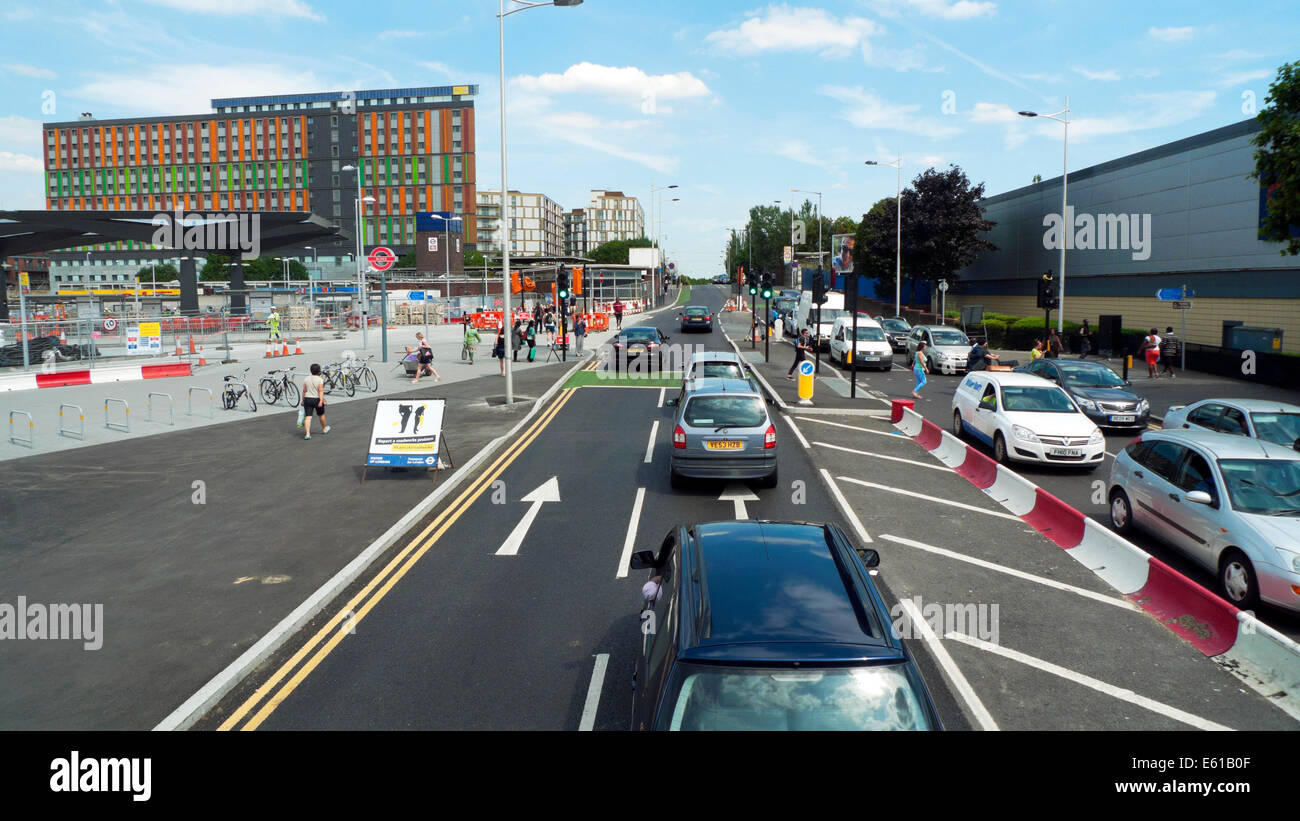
[30, 441]
[80, 433]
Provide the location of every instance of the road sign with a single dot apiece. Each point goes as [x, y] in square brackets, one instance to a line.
[382, 258]
[405, 433]
[1182, 305]
[24, 280]
[1172, 294]
[943, 285]
[805, 382]
[415, 296]
[110, 324]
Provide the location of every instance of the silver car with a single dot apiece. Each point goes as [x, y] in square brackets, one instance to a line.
[947, 347]
[722, 431]
[1230, 503]
[710, 364]
[1257, 418]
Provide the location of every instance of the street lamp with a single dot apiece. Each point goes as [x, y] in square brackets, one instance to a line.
[1063, 117]
[819, 228]
[654, 229]
[502, 14]
[898, 237]
[360, 282]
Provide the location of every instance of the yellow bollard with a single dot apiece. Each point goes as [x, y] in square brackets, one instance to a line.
[805, 382]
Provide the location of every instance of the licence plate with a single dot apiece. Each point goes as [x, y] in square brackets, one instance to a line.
[636, 349]
[725, 444]
[1064, 452]
[870, 359]
[1124, 418]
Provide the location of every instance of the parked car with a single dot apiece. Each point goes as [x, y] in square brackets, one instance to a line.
[633, 341]
[1271, 421]
[897, 329]
[1097, 390]
[947, 348]
[705, 365]
[696, 318]
[1027, 419]
[872, 349]
[763, 625]
[723, 431]
[1229, 503]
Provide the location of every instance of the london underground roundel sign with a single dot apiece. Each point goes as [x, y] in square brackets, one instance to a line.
[382, 258]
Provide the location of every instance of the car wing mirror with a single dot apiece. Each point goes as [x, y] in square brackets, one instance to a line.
[869, 557]
[1200, 497]
[642, 560]
[671, 402]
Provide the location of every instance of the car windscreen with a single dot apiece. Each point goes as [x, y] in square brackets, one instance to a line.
[641, 335]
[895, 325]
[728, 411]
[829, 315]
[1035, 399]
[870, 334]
[1282, 428]
[949, 338]
[696, 310]
[726, 370]
[879, 697]
[1267, 486]
[1089, 376]
[783, 305]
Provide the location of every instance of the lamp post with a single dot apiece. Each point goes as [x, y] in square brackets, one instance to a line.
[502, 14]
[361, 290]
[1062, 117]
[654, 211]
[898, 236]
[819, 229]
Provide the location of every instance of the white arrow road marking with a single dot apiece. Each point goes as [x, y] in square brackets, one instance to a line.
[548, 491]
[630, 540]
[738, 494]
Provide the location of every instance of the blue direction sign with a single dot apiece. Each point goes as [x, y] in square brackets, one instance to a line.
[415, 296]
[1172, 294]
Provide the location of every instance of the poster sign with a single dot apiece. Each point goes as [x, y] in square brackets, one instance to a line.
[406, 433]
[842, 246]
[144, 339]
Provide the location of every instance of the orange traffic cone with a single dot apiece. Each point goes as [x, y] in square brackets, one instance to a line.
[268, 349]
[284, 348]
[179, 352]
[63, 337]
[202, 361]
[297, 346]
[191, 343]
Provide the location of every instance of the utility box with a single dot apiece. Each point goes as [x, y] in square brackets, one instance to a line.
[1261, 340]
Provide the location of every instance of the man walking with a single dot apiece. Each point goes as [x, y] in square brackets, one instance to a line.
[273, 325]
[1169, 350]
[1085, 340]
[802, 347]
[579, 333]
[618, 312]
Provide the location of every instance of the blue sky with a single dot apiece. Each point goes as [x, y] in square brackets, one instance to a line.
[735, 102]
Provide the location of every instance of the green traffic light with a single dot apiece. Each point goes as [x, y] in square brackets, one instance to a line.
[752, 290]
[767, 293]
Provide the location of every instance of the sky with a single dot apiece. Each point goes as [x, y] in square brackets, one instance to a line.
[736, 103]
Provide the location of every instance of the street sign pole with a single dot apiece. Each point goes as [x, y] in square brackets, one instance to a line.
[1182, 340]
[383, 314]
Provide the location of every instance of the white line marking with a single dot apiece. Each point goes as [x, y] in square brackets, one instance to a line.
[797, 433]
[593, 693]
[883, 456]
[1087, 681]
[997, 513]
[631, 535]
[650, 448]
[661, 396]
[1123, 604]
[892, 433]
[863, 535]
[548, 491]
[950, 668]
[738, 494]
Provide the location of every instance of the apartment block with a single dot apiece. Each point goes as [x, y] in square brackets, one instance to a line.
[536, 224]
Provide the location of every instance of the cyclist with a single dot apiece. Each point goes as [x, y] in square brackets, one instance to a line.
[471, 339]
[273, 325]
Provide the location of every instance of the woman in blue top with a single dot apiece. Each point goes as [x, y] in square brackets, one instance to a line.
[919, 369]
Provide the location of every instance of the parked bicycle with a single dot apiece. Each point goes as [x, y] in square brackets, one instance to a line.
[235, 389]
[360, 370]
[272, 387]
[338, 376]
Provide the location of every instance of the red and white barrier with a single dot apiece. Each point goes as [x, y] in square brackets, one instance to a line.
[1260, 656]
[59, 379]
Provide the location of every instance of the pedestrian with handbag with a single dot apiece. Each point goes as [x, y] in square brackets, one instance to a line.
[424, 360]
[499, 347]
[531, 336]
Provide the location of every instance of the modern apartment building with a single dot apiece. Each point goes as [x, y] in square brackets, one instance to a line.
[414, 148]
[575, 232]
[611, 215]
[537, 224]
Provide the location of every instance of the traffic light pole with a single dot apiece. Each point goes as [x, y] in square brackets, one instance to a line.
[767, 336]
[817, 343]
[853, 352]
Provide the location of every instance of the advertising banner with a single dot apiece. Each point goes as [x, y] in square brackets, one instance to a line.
[842, 247]
[406, 433]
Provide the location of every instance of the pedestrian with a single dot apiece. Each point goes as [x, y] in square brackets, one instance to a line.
[313, 400]
[499, 347]
[530, 336]
[979, 357]
[1054, 346]
[1037, 351]
[470, 340]
[919, 369]
[1169, 350]
[802, 346]
[273, 326]
[549, 324]
[1085, 340]
[579, 334]
[424, 360]
[778, 328]
[618, 313]
[1150, 350]
[517, 339]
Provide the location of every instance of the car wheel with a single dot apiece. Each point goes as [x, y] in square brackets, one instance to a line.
[770, 480]
[675, 480]
[956, 424]
[999, 449]
[1237, 580]
[1121, 512]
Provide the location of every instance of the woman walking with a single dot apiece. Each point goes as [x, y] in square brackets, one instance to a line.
[1037, 351]
[517, 337]
[550, 326]
[424, 360]
[313, 400]
[499, 347]
[530, 336]
[919, 369]
[1151, 352]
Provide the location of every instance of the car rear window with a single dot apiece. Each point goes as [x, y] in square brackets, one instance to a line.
[697, 311]
[1036, 400]
[731, 411]
[641, 334]
[726, 370]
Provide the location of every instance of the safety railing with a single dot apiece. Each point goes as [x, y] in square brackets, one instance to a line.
[30, 441]
[125, 424]
[80, 432]
[171, 407]
[189, 400]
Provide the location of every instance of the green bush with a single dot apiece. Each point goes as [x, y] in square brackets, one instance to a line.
[997, 331]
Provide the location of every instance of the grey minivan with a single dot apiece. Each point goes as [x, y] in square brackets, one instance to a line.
[722, 431]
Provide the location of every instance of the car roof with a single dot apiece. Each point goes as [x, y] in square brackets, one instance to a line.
[864, 321]
[723, 384]
[772, 583]
[1253, 405]
[701, 307]
[1005, 378]
[716, 356]
[939, 328]
[1225, 445]
[641, 329]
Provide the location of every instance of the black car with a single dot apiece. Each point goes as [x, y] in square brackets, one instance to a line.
[763, 625]
[1102, 396]
[633, 341]
[696, 318]
[896, 330]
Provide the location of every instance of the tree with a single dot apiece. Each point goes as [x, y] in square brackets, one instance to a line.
[165, 272]
[216, 269]
[474, 259]
[407, 260]
[1037, 178]
[615, 251]
[1277, 159]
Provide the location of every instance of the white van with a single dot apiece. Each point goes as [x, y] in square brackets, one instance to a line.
[806, 313]
[1026, 418]
[872, 349]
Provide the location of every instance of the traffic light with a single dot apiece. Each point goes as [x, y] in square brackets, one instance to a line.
[562, 284]
[819, 288]
[1048, 297]
[752, 281]
[767, 285]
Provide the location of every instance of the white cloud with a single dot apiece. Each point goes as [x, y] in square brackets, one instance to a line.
[783, 28]
[1108, 75]
[31, 71]
[185, 88]
[21, 134]
[1145, 112]
[940, 9]
[799, 151]
[20, 163]
[993, 113]
[865, 109]
[14, 15]
[1172, 34]
[1234, 78]
[243, 8]
[1041, 77]
[627, 84]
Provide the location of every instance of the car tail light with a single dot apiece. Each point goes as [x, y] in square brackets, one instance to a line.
[769, 438]
[679, 438]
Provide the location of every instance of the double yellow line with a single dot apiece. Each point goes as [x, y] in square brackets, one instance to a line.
[294, 671]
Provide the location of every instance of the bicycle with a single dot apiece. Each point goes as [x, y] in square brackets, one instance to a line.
[230, 396]
[273, 387]
[364, 376]
[336, 376]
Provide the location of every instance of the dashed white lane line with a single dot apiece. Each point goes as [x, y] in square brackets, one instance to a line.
[1087, 681]
[593, 693]
[798, 434]
[630, 541]
[650, 446]
[661, 396]
[931, 466]
[935, 499]
[950, 669]
[863, 536]
[1123, 604]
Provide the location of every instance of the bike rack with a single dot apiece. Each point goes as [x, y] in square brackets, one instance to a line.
[189, 399]
[30, 441]
[125, 424]
[171, 407]
[81, 417]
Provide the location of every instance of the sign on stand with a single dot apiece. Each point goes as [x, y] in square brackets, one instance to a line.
[144, 339]
[406, 433]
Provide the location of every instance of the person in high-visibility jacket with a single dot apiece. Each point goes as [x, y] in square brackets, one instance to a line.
[273, 325]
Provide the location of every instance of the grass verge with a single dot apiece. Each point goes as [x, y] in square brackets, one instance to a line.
[604, 379]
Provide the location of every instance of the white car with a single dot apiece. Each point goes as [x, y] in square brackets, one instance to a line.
[1264, 419]
[872, 349]
[1025, 418]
